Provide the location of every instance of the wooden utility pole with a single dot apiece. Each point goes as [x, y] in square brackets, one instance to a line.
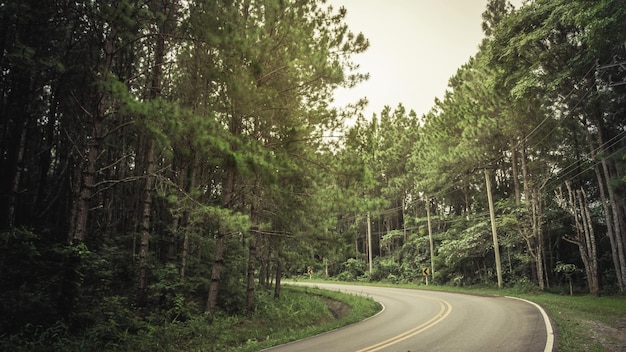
[369, 242]
[492, 215]
[431, 241]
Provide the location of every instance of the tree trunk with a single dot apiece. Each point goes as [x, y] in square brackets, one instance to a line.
[468, 201]
[252, 250]
[534, 239]
[404, 233]
[154, 92]
[146, 212]
[618, 228]
[218, 259]
[616, 248]
[216, 271]
[515, 174]
[78, 231]
[17, 175]
[251, 268]
[279, 276]
[536, 205]
[578, 207]
[590, 241]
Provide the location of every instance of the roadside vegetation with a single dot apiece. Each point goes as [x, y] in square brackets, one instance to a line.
[300, 312]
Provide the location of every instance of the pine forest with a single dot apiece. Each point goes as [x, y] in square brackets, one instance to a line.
[175, 159]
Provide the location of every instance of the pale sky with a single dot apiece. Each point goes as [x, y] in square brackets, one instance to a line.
[415, 47]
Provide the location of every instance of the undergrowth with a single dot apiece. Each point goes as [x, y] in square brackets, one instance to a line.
[298, 313]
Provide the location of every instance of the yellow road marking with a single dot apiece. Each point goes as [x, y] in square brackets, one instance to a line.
[445, 309]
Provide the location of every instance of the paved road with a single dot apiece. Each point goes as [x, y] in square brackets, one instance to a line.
[416, 320]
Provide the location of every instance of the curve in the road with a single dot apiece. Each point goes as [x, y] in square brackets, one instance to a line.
[418, 320]
[546, 321]
[445, 310]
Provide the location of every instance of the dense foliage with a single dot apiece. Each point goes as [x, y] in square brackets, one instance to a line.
[164, 160]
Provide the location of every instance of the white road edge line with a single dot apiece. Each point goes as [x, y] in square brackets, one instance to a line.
[333, 330]
[546, 319]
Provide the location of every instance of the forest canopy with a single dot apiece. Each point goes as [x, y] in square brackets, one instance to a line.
[170, 157]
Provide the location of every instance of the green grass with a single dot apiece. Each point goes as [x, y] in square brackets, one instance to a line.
[299, 313]
[585, 323]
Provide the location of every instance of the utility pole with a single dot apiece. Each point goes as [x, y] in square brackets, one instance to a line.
[369, 242]
[430, 239]
[492, 215]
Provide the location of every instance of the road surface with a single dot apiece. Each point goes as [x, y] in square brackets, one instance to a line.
[417, 320]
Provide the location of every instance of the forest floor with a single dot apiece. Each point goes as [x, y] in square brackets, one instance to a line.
[613, 338]
[338, 309]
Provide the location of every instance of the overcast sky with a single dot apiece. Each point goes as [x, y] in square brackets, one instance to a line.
[415, 47]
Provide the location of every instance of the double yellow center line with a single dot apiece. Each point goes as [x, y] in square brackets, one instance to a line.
[444, 311]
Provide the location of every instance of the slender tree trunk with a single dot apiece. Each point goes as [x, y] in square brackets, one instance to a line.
[356, 240]
[265, 254]
[252, 246]
[616, 251]
[515, 174]
[193, 172]
[618, 228]
[578, 207]
[17, 175]
[572, 207]
[252, 250]
[146, 213]
[216, 271]
[590, 241]
[88, 182]
[218, 258]
[536, 206]
[78, 232]
[533, 238]
[154, 92]
[468, 200]
[404, 233]
[178, 218]
[184, 255]
[279, 276]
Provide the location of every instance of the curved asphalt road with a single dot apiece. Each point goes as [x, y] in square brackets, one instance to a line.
[417, 320]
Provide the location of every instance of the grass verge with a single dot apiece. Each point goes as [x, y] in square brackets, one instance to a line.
[585, 323]
[299, 313]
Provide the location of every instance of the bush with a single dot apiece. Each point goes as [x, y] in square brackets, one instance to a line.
[524, 285]
[353, 270]
[385, 269]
